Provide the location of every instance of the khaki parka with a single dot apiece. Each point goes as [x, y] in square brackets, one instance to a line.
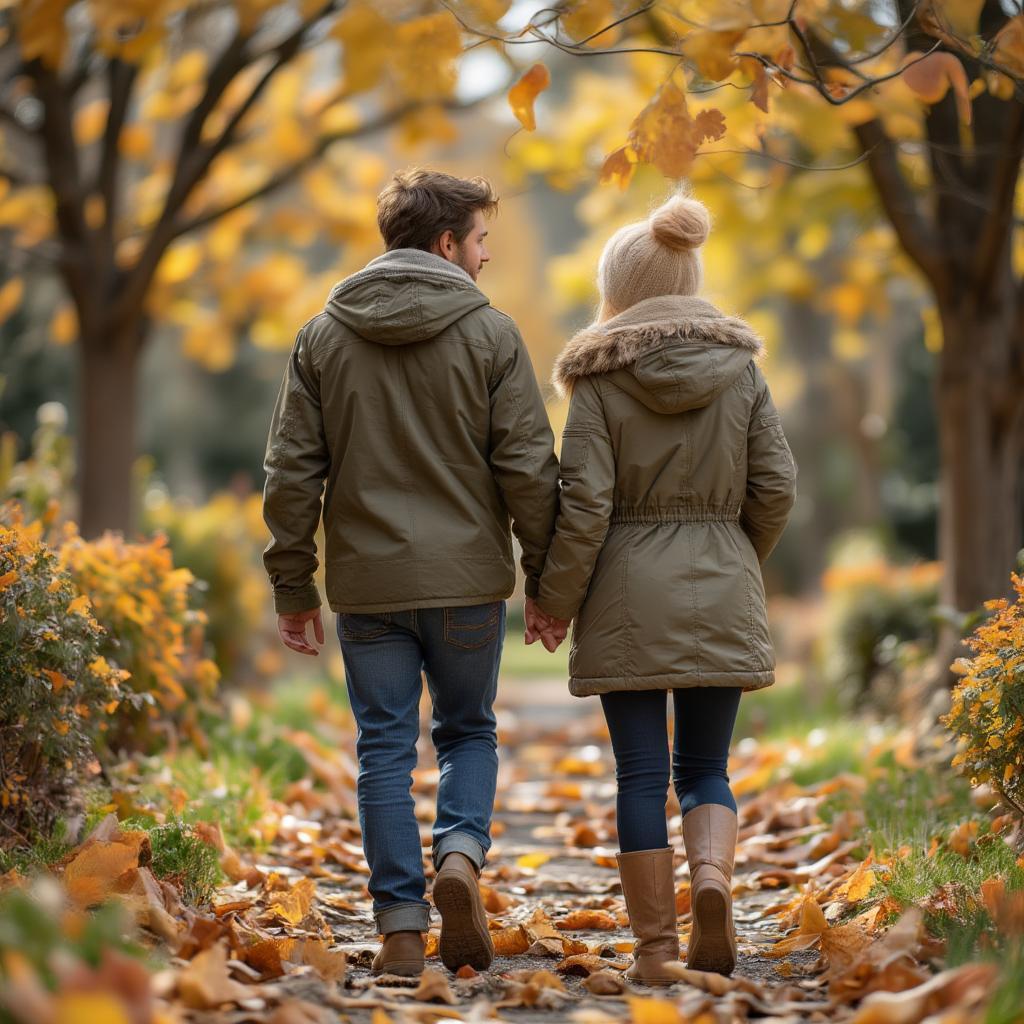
[676, 483]
[410, 414]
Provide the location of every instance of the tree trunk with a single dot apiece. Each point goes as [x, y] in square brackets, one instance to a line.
[981, 426]
[108, 383]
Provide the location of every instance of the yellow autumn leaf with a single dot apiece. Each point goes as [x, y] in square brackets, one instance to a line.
[524, 93]
[533, 860]
[88, 1008]
[11, 295]
[180, 262]
[644, 1010]
[90, 121]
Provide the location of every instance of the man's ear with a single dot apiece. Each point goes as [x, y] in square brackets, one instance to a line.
[446, 245]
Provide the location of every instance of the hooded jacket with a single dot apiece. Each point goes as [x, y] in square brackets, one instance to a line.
[676, 484]
[410, 415]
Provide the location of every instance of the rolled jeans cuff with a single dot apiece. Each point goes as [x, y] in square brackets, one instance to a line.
[403, 917]
[459, 842]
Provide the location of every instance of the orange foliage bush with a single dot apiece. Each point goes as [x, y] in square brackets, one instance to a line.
[987, 712]
[144, 603]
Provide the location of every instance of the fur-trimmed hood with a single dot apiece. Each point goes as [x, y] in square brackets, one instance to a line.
[672, 352]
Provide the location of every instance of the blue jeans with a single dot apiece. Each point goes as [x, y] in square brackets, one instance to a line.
[637, 723]
[459, 650]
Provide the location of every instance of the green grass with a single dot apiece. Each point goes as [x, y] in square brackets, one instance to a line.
[43, 852]
[183, 859]
[790, 708]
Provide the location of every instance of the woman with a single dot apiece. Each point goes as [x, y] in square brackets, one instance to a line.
[676, 484]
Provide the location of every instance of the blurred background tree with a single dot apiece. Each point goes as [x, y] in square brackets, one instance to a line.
[143, 147]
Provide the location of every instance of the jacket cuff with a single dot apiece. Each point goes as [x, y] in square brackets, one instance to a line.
[287, 602]
[532, 586]
[555, 610]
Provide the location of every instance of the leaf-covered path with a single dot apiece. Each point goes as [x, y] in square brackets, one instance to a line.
[552, 892]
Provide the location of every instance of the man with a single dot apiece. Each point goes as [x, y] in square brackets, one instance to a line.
[415, 402]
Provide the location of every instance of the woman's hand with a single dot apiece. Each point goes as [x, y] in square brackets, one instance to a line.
[546, 628]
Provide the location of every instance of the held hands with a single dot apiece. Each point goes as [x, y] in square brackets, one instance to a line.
[292, 629]
[546, 628]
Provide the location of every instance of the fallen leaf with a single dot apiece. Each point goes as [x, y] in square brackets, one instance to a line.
[294, 904]
[963, 987]
[580, 920]
[511, 940]
[330, 966]
[604, 983]
[92, 875]
[653, 1011]
[583, 964]
[205, 983]
[433, 988]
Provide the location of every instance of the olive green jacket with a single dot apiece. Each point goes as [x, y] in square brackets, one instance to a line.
[676, 484]
[410, 413]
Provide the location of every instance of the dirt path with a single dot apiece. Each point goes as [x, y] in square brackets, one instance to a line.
[553, 855]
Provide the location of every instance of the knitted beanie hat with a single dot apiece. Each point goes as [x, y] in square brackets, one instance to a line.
[657, 256]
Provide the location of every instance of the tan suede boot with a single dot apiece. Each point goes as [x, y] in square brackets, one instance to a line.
[709, 833]
[465, 937]
[401, 953]
[649, 888]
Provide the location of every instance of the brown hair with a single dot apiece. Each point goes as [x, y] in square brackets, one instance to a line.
[419, 205]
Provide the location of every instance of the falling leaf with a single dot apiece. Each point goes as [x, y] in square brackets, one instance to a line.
[524, 93]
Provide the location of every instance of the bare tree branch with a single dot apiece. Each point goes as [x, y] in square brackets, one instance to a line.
[289, 173]
[64, 176]
[120, 81]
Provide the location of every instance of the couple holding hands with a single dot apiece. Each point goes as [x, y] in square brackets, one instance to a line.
[410, 419]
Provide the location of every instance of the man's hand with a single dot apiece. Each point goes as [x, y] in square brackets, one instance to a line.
[546, 628]
[292, 628]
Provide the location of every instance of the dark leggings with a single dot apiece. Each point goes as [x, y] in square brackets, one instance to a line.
[637, 721]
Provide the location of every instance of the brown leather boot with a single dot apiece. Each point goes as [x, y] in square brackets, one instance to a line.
[649, 889]
[709, 833]
[465, 937]
[401, 953]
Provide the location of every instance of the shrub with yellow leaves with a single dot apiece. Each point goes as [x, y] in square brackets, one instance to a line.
[987, 711]
[222, 542]
[58, 690]
[145, 605]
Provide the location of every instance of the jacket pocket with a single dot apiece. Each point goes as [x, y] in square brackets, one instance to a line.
[364, 626]
[472, 627]
[575, 450]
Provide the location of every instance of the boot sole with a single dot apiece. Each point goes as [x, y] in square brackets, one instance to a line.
[715, 952]
[465, 938]
[404, 968]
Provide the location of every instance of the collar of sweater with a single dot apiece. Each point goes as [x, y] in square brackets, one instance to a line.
[661, 321]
